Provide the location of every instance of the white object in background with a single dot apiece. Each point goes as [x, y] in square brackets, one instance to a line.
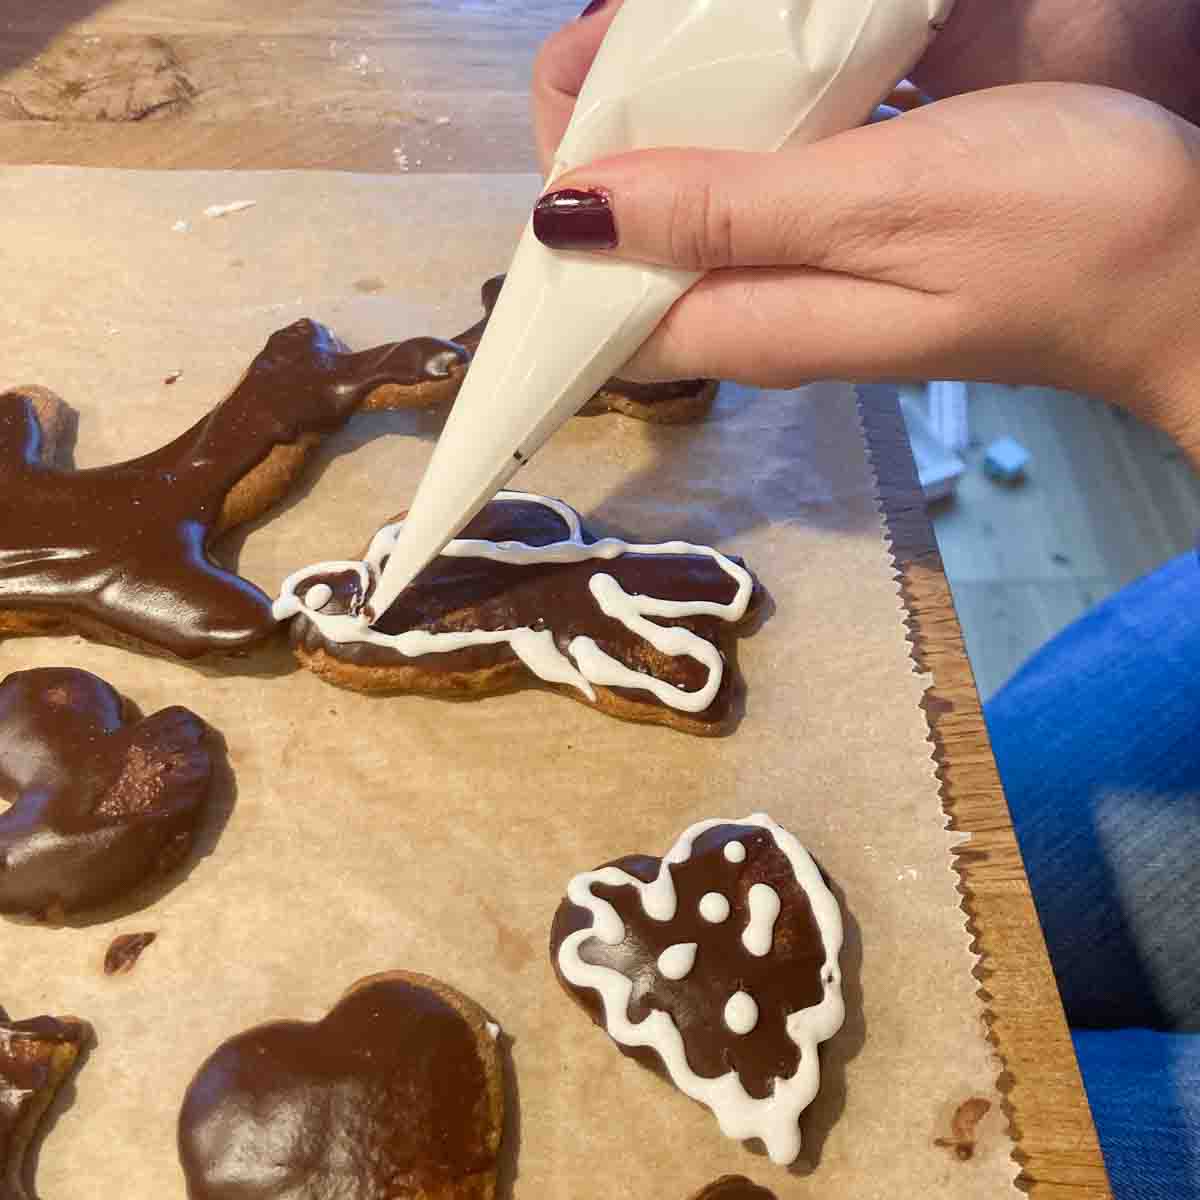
[938, 469]
[1006, 460]
[948, 414]
[722, 74]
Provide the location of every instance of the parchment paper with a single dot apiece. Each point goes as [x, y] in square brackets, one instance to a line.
[367, 834]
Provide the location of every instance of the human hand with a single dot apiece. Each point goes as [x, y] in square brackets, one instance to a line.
[1044, 233]
[1151, 48]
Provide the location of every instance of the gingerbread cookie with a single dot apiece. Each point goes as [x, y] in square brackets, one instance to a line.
[122, 553]
[658, 403]
[718, 965]
[397, 1092]
[526, 591]
[100, 800]
[734, 1187]
[36, 1056]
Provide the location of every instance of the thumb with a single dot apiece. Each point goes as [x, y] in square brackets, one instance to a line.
[826, 206]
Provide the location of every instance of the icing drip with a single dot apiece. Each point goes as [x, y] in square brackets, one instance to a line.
[735, 852]
[676, 962]
[741, 1013]
[773, 1116]
[714, 907]
[764, 909]
[583, 663]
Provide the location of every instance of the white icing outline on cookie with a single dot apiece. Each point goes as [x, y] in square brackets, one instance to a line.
[536, 648]
[774, 1118]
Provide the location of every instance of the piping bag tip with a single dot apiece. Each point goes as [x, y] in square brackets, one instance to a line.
[562, 325]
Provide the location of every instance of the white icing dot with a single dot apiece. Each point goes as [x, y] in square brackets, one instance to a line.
[735, 852]
[764, 910]
[741, 1013]
[676, 962]
[714, 907]
[318, 596]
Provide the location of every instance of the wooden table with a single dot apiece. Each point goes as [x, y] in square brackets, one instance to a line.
[441, 85]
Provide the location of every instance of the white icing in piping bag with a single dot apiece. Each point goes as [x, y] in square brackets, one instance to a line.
[719, 74]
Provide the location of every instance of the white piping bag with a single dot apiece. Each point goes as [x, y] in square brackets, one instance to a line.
[718, 74]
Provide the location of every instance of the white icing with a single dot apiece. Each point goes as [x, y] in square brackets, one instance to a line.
[714, 907]
[536, 648]
[760, 929]
[676, 962]
[741, 1013]
[735, 852]
[493, 1030]
[318, 596]
[773, 1118]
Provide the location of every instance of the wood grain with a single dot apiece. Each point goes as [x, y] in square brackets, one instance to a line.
[1105, 501]
[1048, 1111]
[441, 85]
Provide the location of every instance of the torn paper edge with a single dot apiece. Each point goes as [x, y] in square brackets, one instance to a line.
[956, 839]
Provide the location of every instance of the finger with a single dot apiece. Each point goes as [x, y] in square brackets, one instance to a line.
[559, 70]
[781, 327]
[838, 204]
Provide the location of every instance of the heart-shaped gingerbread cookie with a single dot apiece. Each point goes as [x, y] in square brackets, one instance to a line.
[717, 964]
[398, 1091]
[100, 801]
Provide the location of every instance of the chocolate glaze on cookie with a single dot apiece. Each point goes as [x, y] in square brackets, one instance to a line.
[484, 595]
[734, 1187]
[124, 951]
[395, 1093]
[100, 801]
[125, 548]
[717, 964]
[35, 1058]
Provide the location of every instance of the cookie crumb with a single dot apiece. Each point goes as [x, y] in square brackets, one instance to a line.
[171, 376]
[124, 952]
[225, 210]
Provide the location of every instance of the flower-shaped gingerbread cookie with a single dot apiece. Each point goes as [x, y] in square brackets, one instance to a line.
[635, 630]
[100, 801]
[717, 964]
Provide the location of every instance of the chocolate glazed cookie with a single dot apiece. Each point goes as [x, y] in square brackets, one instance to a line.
[717, 965]
[527, 593]
[733, 1187]
[122, 554]
[398, 1092]
[36, 1056]
[100, 800]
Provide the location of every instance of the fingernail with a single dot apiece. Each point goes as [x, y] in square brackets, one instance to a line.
[573, 219]
[594, 7]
